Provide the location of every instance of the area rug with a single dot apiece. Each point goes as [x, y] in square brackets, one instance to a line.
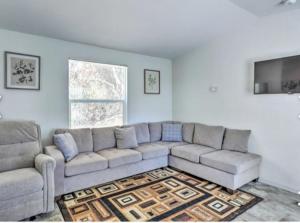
[161, 195]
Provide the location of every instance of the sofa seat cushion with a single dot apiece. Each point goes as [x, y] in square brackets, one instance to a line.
[191, 152]
[118, 157]
[150, 151]
[20, 182]
[85, 163]
[230, 161]
[170, 145]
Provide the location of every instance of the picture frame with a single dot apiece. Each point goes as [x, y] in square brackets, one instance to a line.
[151, 81]
[22, 71]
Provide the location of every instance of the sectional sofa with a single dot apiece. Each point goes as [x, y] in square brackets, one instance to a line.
[200, 153]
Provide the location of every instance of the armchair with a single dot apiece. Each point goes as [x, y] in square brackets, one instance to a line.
[26, 175]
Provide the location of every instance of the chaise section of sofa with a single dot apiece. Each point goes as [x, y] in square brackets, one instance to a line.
[207, 159]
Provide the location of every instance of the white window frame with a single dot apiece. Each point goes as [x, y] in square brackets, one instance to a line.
[96, 100]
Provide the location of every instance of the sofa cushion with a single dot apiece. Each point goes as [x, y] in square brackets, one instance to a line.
[188, 132]
[126, 138]
[171, 132]
[82, 137]
[191, 152]
[142, 132]
[230, 161]
[155, 129]
[150, 151]
[211, 136]
[20, 155]
[236, 140]
[118, 157]
[170, 145]
[14, 132]
[20, 142]
[66, 144]
[85, 163]
[16, 183]
[104, 138]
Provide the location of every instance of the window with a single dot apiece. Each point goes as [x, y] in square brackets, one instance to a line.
[97, 94]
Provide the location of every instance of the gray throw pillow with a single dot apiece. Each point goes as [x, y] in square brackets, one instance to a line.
[171, 132]
[67, 145]
[211, 136]
[236, 140]
[126, 138]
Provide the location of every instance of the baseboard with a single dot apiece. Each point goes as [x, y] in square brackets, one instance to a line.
[293, 190]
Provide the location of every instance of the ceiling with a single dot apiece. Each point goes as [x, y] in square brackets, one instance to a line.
[164, 28]
[265, 7]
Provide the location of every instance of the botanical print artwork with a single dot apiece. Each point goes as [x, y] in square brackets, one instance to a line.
[22, 71]
[152, 82]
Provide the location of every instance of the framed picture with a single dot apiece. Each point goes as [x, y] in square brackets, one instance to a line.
[22, 71]
[151, 81]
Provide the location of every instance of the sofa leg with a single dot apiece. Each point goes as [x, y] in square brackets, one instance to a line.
[32, 218]
[230, 191]
[255, 180]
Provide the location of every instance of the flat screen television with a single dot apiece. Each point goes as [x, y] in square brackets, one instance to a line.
[277, 76]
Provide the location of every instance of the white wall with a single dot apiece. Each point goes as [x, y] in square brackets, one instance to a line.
[49, 107]
[226, 63]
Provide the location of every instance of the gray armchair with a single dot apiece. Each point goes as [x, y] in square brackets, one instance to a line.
[26, 175]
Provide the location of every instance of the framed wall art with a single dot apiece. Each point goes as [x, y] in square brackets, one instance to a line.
[22, 71]
[151, 81]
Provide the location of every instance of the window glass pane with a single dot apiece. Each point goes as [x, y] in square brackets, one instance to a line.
[96, 81]
[90, 115]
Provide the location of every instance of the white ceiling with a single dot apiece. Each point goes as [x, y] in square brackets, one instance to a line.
[165, 28]
[265, 7]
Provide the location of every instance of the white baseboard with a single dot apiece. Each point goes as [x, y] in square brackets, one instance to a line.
[293, 190]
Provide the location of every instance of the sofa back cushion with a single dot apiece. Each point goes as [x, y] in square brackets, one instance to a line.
[142, 132]
[155, 129]
[82, 137]
[20, 142]
[171, 132]
[236, 140]
[126, 138]
[104, 138]
[211, 136]
[188, 132]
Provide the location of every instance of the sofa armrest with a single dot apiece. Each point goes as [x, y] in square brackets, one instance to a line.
[46, 165]
[59, 172]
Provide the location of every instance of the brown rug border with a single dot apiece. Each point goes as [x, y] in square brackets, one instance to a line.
[67, 217]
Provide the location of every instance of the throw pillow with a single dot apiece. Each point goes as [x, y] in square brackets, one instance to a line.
[126, 138]
[67, 145]
[236, 140]
[171, 132]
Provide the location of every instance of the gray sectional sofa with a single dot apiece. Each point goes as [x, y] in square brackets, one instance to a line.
[201, 153]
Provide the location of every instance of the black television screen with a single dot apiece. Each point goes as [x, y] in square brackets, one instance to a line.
[277, 76]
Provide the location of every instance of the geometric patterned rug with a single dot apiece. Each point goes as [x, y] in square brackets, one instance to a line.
[164, 194]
